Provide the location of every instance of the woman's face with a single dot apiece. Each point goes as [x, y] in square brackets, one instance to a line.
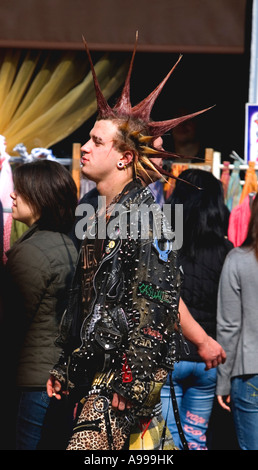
[21, 210]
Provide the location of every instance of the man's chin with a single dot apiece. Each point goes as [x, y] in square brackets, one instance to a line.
[86, 174]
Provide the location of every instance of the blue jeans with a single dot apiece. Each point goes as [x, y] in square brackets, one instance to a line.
[195, 391]
[244, 404]
[31, 414]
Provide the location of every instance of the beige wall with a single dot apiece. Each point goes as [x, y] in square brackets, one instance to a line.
[163, 25]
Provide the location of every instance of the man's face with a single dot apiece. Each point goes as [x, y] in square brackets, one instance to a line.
[99, 157]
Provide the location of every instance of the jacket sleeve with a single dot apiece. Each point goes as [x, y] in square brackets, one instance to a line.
[68, 338]
[228, 321]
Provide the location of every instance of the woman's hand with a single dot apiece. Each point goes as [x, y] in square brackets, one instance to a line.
[224, 402]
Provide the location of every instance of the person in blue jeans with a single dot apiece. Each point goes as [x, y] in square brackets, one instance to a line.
[195, 402]
[202, 255]
[33, 406]
[237, 329]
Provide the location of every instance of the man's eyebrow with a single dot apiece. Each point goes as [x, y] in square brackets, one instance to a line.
[96, 138]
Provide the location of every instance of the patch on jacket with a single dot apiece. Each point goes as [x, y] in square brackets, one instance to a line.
[150, 333]
[156, 294]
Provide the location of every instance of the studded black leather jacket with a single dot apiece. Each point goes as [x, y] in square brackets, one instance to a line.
[128, 286]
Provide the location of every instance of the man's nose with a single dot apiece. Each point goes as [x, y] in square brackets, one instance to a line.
[86, 147]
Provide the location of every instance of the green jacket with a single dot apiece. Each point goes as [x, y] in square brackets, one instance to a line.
[39, 271]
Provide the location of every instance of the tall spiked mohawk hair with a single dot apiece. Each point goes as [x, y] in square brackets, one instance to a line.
[141, 112]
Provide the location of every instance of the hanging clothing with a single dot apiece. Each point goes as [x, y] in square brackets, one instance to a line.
[234, 188]
[225, 177]
[18, 229]
[85, 186]
[176, 170]
[239, 220]
[6, 187]
[250, 185]
[1, 233]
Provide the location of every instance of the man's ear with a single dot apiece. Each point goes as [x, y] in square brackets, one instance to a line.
[127, 157]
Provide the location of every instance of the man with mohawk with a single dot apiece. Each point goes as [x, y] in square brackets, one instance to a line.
[117, 334]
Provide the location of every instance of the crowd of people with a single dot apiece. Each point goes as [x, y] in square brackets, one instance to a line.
[117, 338]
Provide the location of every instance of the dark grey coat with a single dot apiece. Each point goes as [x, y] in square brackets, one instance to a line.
[39, 268]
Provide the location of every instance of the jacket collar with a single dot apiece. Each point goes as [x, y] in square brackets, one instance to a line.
[31, 230]
[133, 192]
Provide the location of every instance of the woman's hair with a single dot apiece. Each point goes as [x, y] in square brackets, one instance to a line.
[205, 216]
[252, 233]
[49, 189]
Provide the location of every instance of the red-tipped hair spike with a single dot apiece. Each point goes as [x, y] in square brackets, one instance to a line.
[102, 104]
[123, 104]
[143, 109]
[159, 128]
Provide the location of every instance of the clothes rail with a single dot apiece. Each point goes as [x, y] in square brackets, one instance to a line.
[62, 161]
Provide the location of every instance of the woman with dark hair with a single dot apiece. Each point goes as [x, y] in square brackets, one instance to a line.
[237, 329]
[39, 270]
[201, 257]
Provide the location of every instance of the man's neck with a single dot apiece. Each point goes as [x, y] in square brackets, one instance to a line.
[112, 189]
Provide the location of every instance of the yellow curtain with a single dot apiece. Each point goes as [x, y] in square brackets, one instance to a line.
[47, 95]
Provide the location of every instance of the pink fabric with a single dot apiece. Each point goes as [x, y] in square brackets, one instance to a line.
[225, 177]
[6, 187]
[7, 235]
[238, 222]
